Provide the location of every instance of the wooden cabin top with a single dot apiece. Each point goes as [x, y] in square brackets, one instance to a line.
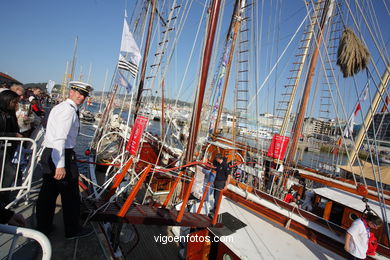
[350, 200]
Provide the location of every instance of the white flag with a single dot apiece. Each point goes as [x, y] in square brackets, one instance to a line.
[129, 45]
[49, 86]
[348, 130]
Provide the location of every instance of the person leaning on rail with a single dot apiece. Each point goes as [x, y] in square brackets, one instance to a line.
[9, 101]
[358, 236]
[221, 177]
[60, 172]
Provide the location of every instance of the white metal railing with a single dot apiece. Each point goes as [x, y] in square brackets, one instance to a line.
[21, 165]
[28, 233]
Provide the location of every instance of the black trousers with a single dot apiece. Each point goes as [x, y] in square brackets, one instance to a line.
[218, 186]
[51, 188]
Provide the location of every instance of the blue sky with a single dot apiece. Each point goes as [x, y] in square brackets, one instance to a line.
[38, 38]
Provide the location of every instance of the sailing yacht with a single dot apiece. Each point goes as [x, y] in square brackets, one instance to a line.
[267, 170]
[140, 177]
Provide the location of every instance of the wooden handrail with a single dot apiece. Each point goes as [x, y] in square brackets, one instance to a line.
[172, 190]
[119, 177]
[185, 199]
[133, 193]
[203, 197]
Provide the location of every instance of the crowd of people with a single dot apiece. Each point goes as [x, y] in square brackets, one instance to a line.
[21, 112]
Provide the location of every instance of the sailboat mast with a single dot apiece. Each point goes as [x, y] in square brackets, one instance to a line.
[104, 88]
[162, 111]
[370, 114]
[194, 126]
[144, 60]
[65, 83]
[74, 59]
[103, 120]
[301, 62]
[235, 26]
[306, 92]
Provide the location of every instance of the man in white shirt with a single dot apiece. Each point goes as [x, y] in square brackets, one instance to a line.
[356, 238]
[60, 173]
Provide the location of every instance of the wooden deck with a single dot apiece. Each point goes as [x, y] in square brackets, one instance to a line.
[145, 214]
[147, 247]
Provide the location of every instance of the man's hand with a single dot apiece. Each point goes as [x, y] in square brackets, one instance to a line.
[17, 220]
[60, 174]
[347, 239]
[19, 135]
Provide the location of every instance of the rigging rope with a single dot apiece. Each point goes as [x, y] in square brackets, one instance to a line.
[277, 62]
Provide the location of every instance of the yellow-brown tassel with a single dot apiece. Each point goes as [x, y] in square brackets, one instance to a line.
[352, 54]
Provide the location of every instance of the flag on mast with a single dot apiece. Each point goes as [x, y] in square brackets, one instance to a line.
[121, 81]
[351, 121]
[127, 65]
[130, 60]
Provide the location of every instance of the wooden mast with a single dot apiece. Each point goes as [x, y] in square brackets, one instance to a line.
[162, 111]
[306, 92]
[144, 60]
[104, 119]
[301, 63]
[235, 24]
[194, 126]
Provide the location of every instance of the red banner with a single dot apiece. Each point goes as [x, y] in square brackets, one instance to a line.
[136, 134]
[278, 147]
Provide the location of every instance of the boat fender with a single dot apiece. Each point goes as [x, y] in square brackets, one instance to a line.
[362, 190]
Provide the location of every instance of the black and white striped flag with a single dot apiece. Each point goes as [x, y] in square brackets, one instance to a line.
[130, 48]
[127, 65]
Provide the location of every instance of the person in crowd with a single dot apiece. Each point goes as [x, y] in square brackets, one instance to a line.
[28, 93]
[35, 106]
[358, 234]
[37, 92]
[18, 89]
[60, 173]
[297, 200]
[222, 174]
[9, 83]
[289, 197]
[25, 118]
[308, 201]
[8, 128]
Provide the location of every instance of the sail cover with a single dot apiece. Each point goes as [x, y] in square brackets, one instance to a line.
[368, 173]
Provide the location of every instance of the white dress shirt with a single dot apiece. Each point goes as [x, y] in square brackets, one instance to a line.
[62, 130]
[358, 244]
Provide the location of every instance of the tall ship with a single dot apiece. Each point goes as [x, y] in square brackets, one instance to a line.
[281, 110]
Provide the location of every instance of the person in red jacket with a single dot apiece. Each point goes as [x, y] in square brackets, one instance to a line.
[35, 106]
[289, 197]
